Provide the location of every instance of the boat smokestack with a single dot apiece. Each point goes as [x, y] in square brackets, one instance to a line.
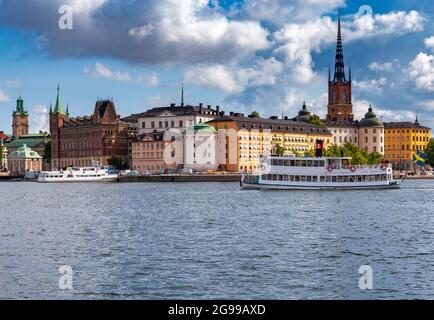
[319, 148]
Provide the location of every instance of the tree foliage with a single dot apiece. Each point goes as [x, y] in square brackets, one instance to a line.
[359, 156]
[116, 162]
[255, 114]
[279, 150]
[430, 153]
[315, 120]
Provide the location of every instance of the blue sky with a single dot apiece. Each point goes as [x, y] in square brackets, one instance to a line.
[264, 55]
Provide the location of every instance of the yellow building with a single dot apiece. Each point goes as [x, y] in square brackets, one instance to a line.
[402, 139]
[243, 140]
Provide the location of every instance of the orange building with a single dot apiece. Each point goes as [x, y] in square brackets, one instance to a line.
[402, 139]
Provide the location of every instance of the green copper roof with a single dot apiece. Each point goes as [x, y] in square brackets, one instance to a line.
[20, 107]
[371, 120]
[58, 108]
[31, 141]
[202, 127]
[24, 152]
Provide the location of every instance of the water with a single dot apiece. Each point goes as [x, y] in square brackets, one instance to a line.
[214, 241]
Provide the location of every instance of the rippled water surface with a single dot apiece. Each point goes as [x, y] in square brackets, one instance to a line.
[212, 240]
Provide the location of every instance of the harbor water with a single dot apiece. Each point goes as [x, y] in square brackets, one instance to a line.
[214, 241]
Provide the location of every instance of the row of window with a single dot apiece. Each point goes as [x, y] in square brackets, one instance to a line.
[297, 163]
[414, 138]
[339, 179]
[405, 147]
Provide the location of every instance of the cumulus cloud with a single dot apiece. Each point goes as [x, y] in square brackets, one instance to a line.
[3, 96]
[39, 120]
[421, 70]
[155, 31]
[14, 84]
[282, 11]
[378, 66]
[235, 79]
[153, 80]
[429, 43]
[100, 70]
[373, 86]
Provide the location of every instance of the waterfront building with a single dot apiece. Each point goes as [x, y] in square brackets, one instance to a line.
[174, 117]
[20, 120]
[148, 152]
[201, 148]
[371, 133]
[344, 132]
[243, 140]
[37, 142]
[3, 156]
[402, 140]
[84, 141]
[23, 160]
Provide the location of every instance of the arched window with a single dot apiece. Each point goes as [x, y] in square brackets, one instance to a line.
[344, 96]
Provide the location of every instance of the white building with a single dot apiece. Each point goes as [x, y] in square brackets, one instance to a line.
[344, 132]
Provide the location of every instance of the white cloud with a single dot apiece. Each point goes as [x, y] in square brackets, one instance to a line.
[282, 11]
[429, 43]
[378, 66]
[100, 70]
[428, 105]
[3, 96]
[374, 85]
[235, 79]
[153, 80]
[386, 114]
[39, 120]
[421, 70]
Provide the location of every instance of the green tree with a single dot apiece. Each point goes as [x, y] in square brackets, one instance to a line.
[430, 152]
[280, 150]
[315, 120]
[116, 162]
[357, 155]
[255, 114]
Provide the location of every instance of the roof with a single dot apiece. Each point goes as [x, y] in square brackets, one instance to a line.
[342, 124]
[404, 125]
[371, 120]
[178, 111]
[31, 141]
[24, 152]
[202, 127]
[273, 124]
[3, 135]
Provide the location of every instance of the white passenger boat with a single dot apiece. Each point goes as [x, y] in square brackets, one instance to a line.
[90, 174]
[291, 173]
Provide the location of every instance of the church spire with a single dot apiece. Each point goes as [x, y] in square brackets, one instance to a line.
[182, 94]
[339, 63]
[58, 108]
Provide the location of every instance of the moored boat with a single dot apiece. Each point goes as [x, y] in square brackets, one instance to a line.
[89, 174]
[324, 173]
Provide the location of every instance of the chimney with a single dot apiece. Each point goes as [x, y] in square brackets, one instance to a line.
[209, 106]
[231, 114]
[172, 105]
[218, 110]
[274, 118]
[286, 118]
[200, 107]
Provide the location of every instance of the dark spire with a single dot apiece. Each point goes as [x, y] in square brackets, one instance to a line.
[417, 119]
[330, 77]
[339, 63]
[182, 95]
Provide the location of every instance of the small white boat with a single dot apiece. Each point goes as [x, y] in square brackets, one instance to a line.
[326, 173]
[90, 174]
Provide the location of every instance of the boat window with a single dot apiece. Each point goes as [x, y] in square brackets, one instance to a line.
[292, 163]
[329, 179]
[303, 179]
[315, 179]
[287, 163]
[334, 179]
[291, 178]
[340, 179]
[309, 179]
[297, 178]
[322, 179]
[321, 163]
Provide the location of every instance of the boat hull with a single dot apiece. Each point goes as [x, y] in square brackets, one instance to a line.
[78, 180]
[256, 186]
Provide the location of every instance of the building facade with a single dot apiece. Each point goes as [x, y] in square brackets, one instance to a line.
[86, 141]
[174, 117]
[243, 140]
[20, 120]
[23, 160]
[402, 140]
[371, 133]
[148, 152]
[3, 156]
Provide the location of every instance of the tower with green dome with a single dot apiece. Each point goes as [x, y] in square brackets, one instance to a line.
[20, 119]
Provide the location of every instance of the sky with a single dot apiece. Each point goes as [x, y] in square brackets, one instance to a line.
[244, 55]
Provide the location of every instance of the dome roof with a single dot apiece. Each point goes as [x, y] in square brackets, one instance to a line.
[303, 114]
[371, 120]
[24, 152]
